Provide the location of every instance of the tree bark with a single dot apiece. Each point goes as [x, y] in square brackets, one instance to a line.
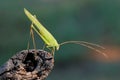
[27, 65]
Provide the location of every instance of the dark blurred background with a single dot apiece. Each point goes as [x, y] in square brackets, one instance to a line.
[96, 21]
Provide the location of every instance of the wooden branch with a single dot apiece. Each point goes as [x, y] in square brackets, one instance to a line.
[27, 65]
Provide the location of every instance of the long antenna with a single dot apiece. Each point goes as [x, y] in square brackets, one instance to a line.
[88, 45]
[82, 42]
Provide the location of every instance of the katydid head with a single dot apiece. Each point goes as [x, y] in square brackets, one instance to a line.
[57, 47]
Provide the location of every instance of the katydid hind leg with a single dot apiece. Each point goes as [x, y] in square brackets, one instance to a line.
[28, 44]
[32, 35]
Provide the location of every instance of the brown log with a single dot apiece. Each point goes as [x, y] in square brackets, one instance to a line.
[27, 65]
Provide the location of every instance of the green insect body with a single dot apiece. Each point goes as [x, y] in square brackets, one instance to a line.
[47, 37]
[51, 42]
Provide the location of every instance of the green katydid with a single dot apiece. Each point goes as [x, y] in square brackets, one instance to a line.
[50, 41]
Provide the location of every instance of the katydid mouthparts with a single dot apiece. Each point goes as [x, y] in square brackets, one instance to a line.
[51, 42]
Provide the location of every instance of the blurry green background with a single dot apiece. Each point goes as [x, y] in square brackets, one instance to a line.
[96, 21]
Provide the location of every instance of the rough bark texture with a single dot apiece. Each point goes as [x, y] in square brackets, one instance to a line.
[27, 65]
